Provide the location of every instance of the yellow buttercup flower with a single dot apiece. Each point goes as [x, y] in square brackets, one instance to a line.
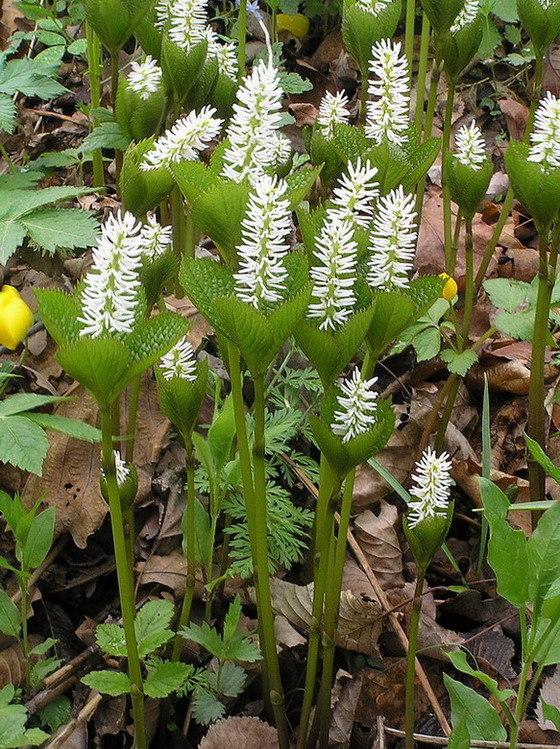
[297, 25]
[15, 318]
[449, 291]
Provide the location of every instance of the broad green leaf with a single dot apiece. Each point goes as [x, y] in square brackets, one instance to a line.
[459, 660]
[202, 532]
[299, 184]
[12, 509]
[459, 737]
[17, 203]
[43, 647]
[25, 76]
[542, 459]
[249, 329]
[56, 713]
[181, 400]
[204, 281]
[427, 343]
[206, 707]
[23, 444]
[111, 639]
[153, 338]
[39, 539]
[106, 135]
[194, 178]
[551, 712]
[507, 293]
[59, 312]
[459, 363]
[10, 623]
[12, 719]
[231, 619]
[507, 548]
[12, 235]
[537, 189]
[543, 551]
[207, 637]
[100, 364]
[108, 682]
[520, 324]
[221, 433]
[442, 14]
[232, 680]
[361, 29]
[74, 428]
[392, 312]
[7, 113]
[19, 402]
[166, 678]
[219, 212]
[51, 228]
[152, 626]
[483, 722]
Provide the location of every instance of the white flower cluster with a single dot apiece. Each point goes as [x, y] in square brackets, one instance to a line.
[332, 110]
[471, 148]
[110, 292]
[467, 15]
[545, 138]
[358, 406]
[183, 142]
[186, 24]
[255, 143]
[145, 77]
[431, 495]
[180, 361]
[122, 471]
[547, 3]
[373, 6]
[354, 196]
[387, 115]
[334, 279]
[265, 228]
[392, 241]
[155, 238]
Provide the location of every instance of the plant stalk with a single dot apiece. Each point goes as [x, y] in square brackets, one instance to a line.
[422, 73]
[469, 283]
[447, 216]
[114, 89]
[429, 121]
[125, 581]
[24, 604]
[242, 28]
[409, 33]
[94, 56]
[411, 658]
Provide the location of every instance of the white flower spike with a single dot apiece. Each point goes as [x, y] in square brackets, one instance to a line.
[225, 53]
[467, 15]
[110, 293]
[122, 471]
[184, 19]
[470, 147]
[145, 77]
[179, 362]
[184, 141]
[334, 278]
[265, 229]
[373, 6]
[393, 241]
[430, 496]
[155, 238]
[358, 407]
[545, 138]
[332, 110]
[255, 143]
[353, 198]
[387, 116]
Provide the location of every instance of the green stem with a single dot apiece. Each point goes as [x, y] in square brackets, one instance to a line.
[332, 605]
[536, 423]
[179, 223]
[422, 73]
[363, 95]
[456, 237]
[411, 658]
[134, 397]
[242, 29]
[454, 382]
[94, 58]
[24, 605]
[260, 568]
[447, 216]
[324, 527]
[409, 33]
[114, 90]
[430, 112]
[191, 234]
[273, 29]
[258, 535]
[469, 281]
[190, 552]
[6, 155]
[125, 581]
[508, 200]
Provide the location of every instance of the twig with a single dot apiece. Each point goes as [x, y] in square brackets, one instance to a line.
[57, 116]
[441, 741]
[84, 715]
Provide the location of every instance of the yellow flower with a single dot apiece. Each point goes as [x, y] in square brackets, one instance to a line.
[449, 291]
[297, 25]
[15, 318]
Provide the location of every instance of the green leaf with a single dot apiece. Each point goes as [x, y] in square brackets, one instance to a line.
[459, 363]
[506, 293]
[56, 713]
[106, 135]
[459, 660]
[152, 626]
[538, 454]
[23, 444]
[111, 639]
[39, 540]
[10, 623]
[219, 212]
[202, 532]
[7, 113]
[427, 343]
[520, 324]
[59, 312]
[442, 14]
[538, 189]
[181, 400]
[507, 548]
[19, 402]
[392, 312]
[249, 329]
[24, 76]
[231, 619]
[206, 636]
[361, 29]
[108, 682]
[232, 680]
[151, 339]
[206, 707]
[221, 433]
[74, 428]
[483, 722]
[459, 737]
[51, 228]
[12, 509]
[166, 678]
[552, 713]
[543, 552]
[194, 179]
[204, 281]
[43, 647]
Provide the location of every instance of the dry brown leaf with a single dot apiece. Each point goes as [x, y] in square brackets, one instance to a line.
[70, 480]
[11, 664]
[344, 700]
[110, 718]
[240, 733]
[359, 624]
[379, 541]
[286, 634]
[492, 648]
[551, 73]
[169, 571]
[516, 115]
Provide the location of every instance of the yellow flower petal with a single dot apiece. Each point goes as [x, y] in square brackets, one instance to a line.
[298, 24]
[15, 318]
[449, 291]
